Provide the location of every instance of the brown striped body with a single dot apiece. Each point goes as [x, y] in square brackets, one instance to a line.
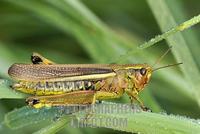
[64, 78]
[104, 81]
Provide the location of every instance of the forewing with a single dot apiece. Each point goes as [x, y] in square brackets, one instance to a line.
[30, 72]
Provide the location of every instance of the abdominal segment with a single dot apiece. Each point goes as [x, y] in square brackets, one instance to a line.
[56, 87]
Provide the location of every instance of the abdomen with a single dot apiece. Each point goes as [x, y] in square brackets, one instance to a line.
[56, 87]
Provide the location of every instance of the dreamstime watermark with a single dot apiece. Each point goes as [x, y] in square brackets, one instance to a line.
[109, 122]
[105, 108]
[94, 115]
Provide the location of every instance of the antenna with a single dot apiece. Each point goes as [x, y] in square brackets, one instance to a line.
[170, 65]
[161, 57]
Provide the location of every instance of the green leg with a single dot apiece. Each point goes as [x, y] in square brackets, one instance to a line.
[144, 108]
[134, 97]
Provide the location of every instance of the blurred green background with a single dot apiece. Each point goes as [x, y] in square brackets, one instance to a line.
[100, 31]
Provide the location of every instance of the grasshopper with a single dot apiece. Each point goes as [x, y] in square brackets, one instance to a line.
[63, 84]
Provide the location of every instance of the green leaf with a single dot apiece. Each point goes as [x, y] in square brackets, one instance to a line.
[180, 50]
[26, 116]
[55, 126]
[134, 121]
[7, 92]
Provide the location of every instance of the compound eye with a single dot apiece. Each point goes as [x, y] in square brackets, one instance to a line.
[143, 71]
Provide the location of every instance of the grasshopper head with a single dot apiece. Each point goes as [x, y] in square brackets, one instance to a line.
[139, 76]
